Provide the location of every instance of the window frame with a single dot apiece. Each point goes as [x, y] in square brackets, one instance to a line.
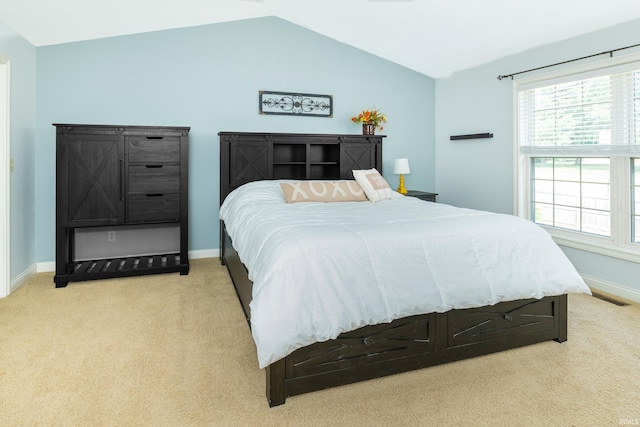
[620, 244]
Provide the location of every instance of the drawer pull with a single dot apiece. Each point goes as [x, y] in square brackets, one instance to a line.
[155, 195]
[153, 166]
[155, 137]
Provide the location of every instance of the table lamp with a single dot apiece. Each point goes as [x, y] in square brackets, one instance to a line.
[401, 167]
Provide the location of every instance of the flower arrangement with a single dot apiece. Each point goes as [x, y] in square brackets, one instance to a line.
[371, 116]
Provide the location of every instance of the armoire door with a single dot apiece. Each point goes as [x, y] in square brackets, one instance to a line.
[90, 172]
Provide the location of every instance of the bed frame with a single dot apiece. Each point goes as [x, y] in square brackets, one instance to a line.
[373, 351]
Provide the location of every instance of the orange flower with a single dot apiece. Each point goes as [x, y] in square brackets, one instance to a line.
[371, 116]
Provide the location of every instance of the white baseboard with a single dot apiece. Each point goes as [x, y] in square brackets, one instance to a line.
[593, 282]
[50, 266]
[204, 253]
[22, 277]
[45, 267]
[612, 288]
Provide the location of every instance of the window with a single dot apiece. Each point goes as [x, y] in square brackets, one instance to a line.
[572, 193]
[579, 158]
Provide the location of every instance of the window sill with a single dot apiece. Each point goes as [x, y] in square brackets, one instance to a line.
[596, 245]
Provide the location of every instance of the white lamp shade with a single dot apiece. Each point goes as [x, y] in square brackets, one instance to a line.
[401, 166]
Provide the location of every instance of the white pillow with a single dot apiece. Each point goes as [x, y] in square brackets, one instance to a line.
[374, 185]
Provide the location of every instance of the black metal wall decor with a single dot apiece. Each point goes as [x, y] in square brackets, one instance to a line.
[295, 104]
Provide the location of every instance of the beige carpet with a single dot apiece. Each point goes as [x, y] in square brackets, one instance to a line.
[171, 350]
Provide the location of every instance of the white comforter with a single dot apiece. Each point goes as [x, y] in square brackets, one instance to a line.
[320, 269]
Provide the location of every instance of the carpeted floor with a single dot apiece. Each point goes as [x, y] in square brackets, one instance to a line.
[171, 350]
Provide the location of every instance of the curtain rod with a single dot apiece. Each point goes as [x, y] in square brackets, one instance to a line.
[610, 52]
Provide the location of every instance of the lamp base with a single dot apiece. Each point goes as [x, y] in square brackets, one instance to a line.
[401, 188]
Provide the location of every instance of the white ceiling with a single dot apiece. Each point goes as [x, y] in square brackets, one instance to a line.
[433, 37]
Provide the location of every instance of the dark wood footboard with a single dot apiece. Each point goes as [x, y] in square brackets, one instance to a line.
[405, 344]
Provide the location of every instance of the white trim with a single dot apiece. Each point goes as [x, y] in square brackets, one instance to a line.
[46, 267]
[582, 151]
[593, 282]
[50, 266]
[23, 277]
[596, 248]
[204, 253]
[612, 288]
[516, 152]
[5, 187]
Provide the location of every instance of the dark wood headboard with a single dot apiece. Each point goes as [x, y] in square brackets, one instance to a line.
[246, 157]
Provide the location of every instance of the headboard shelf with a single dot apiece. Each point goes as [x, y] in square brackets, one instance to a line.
[254, 156]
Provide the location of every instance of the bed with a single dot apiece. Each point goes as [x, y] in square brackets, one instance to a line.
[354, 338]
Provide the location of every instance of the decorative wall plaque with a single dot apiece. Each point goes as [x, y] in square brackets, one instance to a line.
[295, 104]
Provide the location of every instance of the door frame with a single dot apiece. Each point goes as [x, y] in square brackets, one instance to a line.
[5, 187]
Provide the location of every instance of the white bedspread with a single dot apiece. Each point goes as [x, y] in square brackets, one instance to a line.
[320, 269]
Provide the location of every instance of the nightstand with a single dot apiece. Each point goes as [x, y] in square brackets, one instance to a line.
[422, 195]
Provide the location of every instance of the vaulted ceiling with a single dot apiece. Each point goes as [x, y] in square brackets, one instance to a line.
[433, 37]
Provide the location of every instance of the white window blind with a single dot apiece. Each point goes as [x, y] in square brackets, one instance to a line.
[593, 113]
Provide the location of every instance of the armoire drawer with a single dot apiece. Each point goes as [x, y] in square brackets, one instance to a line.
[153, 207]
[143, 149]
[154, 178]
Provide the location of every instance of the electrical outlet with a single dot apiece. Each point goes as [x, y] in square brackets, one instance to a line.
[111, 236]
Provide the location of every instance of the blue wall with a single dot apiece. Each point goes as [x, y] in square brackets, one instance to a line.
[22, 62]
[208, 78]
[480, 173]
